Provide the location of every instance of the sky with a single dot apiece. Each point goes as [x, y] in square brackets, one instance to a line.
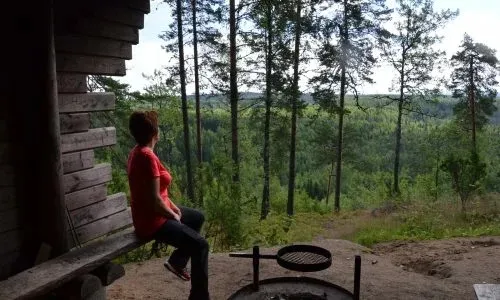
[479, 18]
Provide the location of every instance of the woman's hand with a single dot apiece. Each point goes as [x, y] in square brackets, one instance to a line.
[177, 217]
[177, 210]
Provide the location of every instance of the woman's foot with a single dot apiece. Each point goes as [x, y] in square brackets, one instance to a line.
[181, 273]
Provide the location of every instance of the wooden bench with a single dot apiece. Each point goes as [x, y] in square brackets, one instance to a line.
[100, 232]
[487, 291]
[63, 274]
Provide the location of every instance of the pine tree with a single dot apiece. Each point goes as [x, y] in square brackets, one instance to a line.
[473, 84]
[197, 101]
[410, 51]
[185, 120]
[295, 98]
[347, 62]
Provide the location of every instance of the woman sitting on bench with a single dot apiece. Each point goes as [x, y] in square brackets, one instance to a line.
[155, 216]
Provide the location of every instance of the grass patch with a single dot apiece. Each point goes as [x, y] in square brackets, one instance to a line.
[431, 222]
[282, 229]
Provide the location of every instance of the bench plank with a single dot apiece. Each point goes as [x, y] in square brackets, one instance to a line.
[62, 269]
[73, 63]
[71, 83]
[79, 44]
[88, 102]
[7, 198]
[104, 226]
[86, 196]
[88, 214]
[9, 220]
[78, 161]
[70, 123]
[94, 138]
[99, 174]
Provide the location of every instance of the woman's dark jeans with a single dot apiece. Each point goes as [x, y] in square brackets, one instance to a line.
[190, 244]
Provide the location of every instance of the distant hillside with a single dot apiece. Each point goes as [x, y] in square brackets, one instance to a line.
[443, 109]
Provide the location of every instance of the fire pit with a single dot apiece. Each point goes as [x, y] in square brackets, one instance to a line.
[299, 258]
[292, 288]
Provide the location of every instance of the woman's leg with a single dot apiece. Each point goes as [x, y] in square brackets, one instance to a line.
[193, 219]
[195, 246]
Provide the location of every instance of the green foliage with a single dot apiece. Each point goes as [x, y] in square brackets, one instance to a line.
[367, 164]
[432, 221]
[474, 75]
[466, 174]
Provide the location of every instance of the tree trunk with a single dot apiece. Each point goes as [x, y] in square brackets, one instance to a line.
[472, 103]
[233, 95]
[338, 173]
[265, 190]
[330, 175]
[436, 175]
[197, 99]
[295, 98]
[185, 121]
[397, 151]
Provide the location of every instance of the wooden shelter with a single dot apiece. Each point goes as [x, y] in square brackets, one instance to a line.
[55, 213]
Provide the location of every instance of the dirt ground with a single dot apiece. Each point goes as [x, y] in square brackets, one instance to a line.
[444, 269]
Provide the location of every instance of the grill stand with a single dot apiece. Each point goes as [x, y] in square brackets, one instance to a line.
[357, 272]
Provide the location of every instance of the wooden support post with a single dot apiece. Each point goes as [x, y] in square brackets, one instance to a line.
[37, 153]
[109, 272]
[85, 287]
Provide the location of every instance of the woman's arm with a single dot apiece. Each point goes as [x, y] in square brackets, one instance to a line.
[158, 204]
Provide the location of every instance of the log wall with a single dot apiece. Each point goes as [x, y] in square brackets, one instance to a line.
[91, 38]
[97, 42]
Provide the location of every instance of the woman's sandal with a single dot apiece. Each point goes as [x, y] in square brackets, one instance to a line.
[181, 273]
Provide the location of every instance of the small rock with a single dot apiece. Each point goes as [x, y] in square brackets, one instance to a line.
[374, 262]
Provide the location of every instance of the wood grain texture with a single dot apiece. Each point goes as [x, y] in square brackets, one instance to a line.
[70, 123]
[75, 63]
[99, 174]
[100, 28]
[83, 287]
[142, 5]
[487, 291]
[88, 214]
[109, 273]
[93, 46]
[78, 161]
[9, 220]
[104, 226]
[94, 138]
[71, 83]
[60, 270]
[10, 241]
[119, 14]
[72, 103]
[7, 198]
[6, 175]
[86, 196]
